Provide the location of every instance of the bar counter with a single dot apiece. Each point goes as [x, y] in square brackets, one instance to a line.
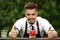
[28, 38]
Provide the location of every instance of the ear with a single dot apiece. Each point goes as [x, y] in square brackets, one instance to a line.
[36, 13]
[25, 13]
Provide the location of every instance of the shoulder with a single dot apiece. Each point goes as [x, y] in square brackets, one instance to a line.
[21, 20]
[42, 20]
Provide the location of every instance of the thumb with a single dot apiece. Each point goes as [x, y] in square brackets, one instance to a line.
[49, 28]
[15, 28]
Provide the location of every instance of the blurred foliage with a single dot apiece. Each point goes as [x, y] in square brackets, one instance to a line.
[12, 10]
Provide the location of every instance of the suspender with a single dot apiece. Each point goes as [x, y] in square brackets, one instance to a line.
[26, 27]
[27, 35]
[38, 35]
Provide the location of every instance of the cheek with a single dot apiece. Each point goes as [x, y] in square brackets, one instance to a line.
[34, 17]
[27, 16]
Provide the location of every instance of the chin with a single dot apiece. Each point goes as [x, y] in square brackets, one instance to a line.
[31, 22]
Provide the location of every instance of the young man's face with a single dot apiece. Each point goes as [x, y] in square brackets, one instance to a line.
[31, 15]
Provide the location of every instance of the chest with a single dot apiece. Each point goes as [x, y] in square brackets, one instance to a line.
[30, 28]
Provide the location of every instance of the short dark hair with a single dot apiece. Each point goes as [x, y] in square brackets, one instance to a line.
[30, 5]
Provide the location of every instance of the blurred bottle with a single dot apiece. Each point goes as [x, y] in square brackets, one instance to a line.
[4, 33]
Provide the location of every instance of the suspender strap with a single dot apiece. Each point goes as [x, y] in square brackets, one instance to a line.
[38, 28]
[26, 34]
[38, 35]
[26, 27]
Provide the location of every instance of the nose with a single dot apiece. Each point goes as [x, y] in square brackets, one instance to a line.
[30, 16]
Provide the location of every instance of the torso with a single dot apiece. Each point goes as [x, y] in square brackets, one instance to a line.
[35, 26]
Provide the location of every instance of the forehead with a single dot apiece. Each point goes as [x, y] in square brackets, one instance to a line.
[30, 11]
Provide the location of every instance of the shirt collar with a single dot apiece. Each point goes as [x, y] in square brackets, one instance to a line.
[30, 24]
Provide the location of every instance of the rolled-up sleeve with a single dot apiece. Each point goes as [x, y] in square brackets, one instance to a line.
[47, 25]
[17, 25]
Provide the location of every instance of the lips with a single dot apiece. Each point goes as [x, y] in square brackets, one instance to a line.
[31, 18]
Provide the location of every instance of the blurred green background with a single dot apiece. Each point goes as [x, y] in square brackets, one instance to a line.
[12, 10]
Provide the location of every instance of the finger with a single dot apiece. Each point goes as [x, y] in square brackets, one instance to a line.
[14, 27]
[50, 36]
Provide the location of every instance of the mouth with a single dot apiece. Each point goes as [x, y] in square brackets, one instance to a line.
[31, 21]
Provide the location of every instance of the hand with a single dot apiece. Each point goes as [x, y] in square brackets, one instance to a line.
[14, 33]
[51, 34]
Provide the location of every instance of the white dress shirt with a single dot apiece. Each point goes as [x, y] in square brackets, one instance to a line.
[44, 25]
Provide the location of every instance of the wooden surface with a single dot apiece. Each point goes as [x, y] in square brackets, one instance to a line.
[29, 39]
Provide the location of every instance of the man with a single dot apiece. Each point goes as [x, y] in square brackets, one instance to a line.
[39, 24]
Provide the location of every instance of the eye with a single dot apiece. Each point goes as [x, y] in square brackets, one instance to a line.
[33, 14]
[28, 14]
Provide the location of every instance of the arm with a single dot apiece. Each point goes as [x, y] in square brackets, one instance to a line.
[50, 31]
[15, 29]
